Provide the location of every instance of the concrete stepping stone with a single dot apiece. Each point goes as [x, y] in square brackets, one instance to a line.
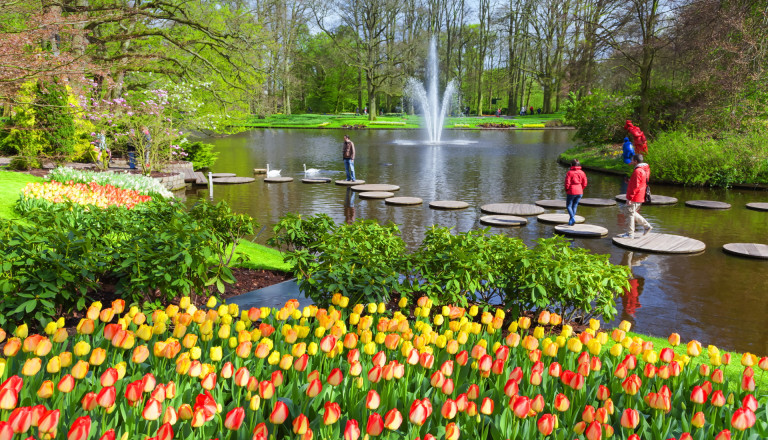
[376, 194]
[757, 206]
[551, 204]
[233, 180]
[278, 179]
[375, 187]
[707, 204]
[661, 243]
[503, 220]
[403, 201]
[448, 204]
[582, 230]
[223, 175]
[655, 200]
[597, 202]
[519, 209]
[317, 180]
[749, 250]
[558, 218]
[349, 182]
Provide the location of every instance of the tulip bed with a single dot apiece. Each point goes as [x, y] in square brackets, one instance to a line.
[357, 370]
[83, 194]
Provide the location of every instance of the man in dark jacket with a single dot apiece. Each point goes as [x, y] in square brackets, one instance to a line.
[636, 196]
[348, 154]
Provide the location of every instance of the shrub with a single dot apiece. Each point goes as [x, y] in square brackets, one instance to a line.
[294, 232]
[598, 117]
[54, 119]
[200, 154]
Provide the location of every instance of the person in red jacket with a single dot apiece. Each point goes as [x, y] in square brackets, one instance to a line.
[575, 182]
[636, 196]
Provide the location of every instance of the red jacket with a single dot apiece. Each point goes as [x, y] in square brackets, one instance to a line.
[638, 182]
[575, 181]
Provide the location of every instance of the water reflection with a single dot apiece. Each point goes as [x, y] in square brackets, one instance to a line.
[349, 209]
[630, 302]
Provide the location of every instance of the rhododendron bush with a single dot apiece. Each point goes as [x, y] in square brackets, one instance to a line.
[356, 371]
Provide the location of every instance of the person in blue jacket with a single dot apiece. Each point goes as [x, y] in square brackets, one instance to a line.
[629, 152]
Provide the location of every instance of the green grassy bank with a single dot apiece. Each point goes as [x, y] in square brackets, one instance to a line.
[690, 159]
[396, 121]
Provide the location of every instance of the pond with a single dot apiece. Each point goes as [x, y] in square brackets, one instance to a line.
[715, 298]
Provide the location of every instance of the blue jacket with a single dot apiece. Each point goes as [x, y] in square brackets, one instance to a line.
[628, 151]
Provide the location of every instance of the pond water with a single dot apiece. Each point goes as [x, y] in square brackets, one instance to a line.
[715, 298]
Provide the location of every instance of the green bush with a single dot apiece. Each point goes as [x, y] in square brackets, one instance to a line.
[54, 119]
[598, 117]
[294, 232]
[200, 154]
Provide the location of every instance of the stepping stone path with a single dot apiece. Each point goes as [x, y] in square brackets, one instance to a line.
[558, 218]
[278, 179]
[757, 206]
[223, 175]
[583, 230]
[707, 204]
[503, 220]
[551, 204]
[593, 201]
[661, 243]
[749, 250]
[317, 180]
[233, 180]
[376, 194]
[448, 204]
[521, 209]
[375, 187]
[402, 201]
[350, 182]
[655, 200]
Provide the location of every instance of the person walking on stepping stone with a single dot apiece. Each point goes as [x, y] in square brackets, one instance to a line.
[348, 154]
[636, 196]
[575, 182]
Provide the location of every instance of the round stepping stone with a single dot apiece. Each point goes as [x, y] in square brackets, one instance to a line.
[521, 209]
[278, 179]
[233, 180]
[375, 187]
[583, 230]
[758, 206]
[661, 243]
[448, 204]
[749, 250]
[707, 204]
[593, 201]
[503, 220]
[655, 200]
[403, 201]
[551, 204]
[350, 182]
[376, 194]
[558, 218]
[223, 175]
[316, 180]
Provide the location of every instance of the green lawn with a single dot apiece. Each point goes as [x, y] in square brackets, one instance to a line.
[11, 184]
[606, 158]
[388, 122]
[261, 257]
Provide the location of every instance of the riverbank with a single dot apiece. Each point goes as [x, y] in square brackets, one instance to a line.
[399, 121]
[678, 158]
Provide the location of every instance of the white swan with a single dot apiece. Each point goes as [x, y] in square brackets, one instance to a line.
[311, 170]
[272, 173]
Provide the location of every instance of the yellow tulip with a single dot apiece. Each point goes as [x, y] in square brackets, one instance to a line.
[616, 350]
[53, 365]
[98, 356]
[21, 331]
[211, 302]
[195, 353]
[66, 359]
[51, 327]
[538, 332]
[80, 369]
[144, 332]
[32, 366]
[273, 358]
[82, 348]
[625, 325]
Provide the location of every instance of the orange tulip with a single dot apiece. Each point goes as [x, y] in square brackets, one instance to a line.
[242, 377]
[698, 420]
[80, 369]
[98, 356]
[546, 424]
[449, 409]
[375, 425]
[393, 419]
[279, 413]
[723, 435]
[743, 419]
[164, 432]
[632, 385]
[300, 424]
[487, 406]
[20, 419]
[452, 431]
[49, 422]
[45, 391]
[351, 430]
[418, 413]
[80, 429]
[106, 397]
[67, 383]
[171, 416]
[562, 403]
[630, 418]
[335, 377]
[32, 366]
[140, 354]
[332, 413]
[234, 419]
[185, 411]
[277, 378]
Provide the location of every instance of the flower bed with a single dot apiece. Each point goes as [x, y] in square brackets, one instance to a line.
[102, 196]
[141, 184]
[353, 370]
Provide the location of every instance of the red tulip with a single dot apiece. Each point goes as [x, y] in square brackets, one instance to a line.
[743, 419]
[667, 355]
[335, 377]
[452, 431]
[698, 420]
[260, 430]
[487, 406]
[279, 413]
[603, 392]
[375, 425]
[13, 383]
[89, 402]
[152, 410]
[110, 435]
[352, 430]
[723, 435]
[164, 432]
[511, 388]
[314, 388]
[546, 424]
[205, 403]
[632, 385]
[418, 413]
[106, 397]
[686, 436]
[6, 432]
[520, 406]
[750, 402]
[374, 374]
[234, 419]
[462, 401]
[8, 399]
[630, 418]
[462, 357]
[718, 399]
[109, 377]
[379, 359]
[21, 419]
[562, 403]
[588, 415]
[48, 421]
[327, 344]
[555, 369]
[427, 360]
[473, 392]
[393, 419]
[698, 395]
[594, 431]
[300, 424]
[134, 392]
[449, 409]
[80, 429]
[332, 413]
[537, 403]
[266, 389]
[242, 377]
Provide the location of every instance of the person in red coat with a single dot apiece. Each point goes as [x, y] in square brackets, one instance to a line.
[636, 196]
[575, 182]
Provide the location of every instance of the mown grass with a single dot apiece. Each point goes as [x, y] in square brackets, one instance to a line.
[11, 184]
[395, 121]
[605, 158]
[261, 257]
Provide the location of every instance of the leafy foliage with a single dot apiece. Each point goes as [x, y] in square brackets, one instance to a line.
[599, 117]
[293, 231]
[200, 154]
[55, 120]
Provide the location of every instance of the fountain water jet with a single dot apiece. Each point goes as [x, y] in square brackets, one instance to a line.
[434, 111]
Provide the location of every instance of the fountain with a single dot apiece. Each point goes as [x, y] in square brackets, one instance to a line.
[434, 111]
